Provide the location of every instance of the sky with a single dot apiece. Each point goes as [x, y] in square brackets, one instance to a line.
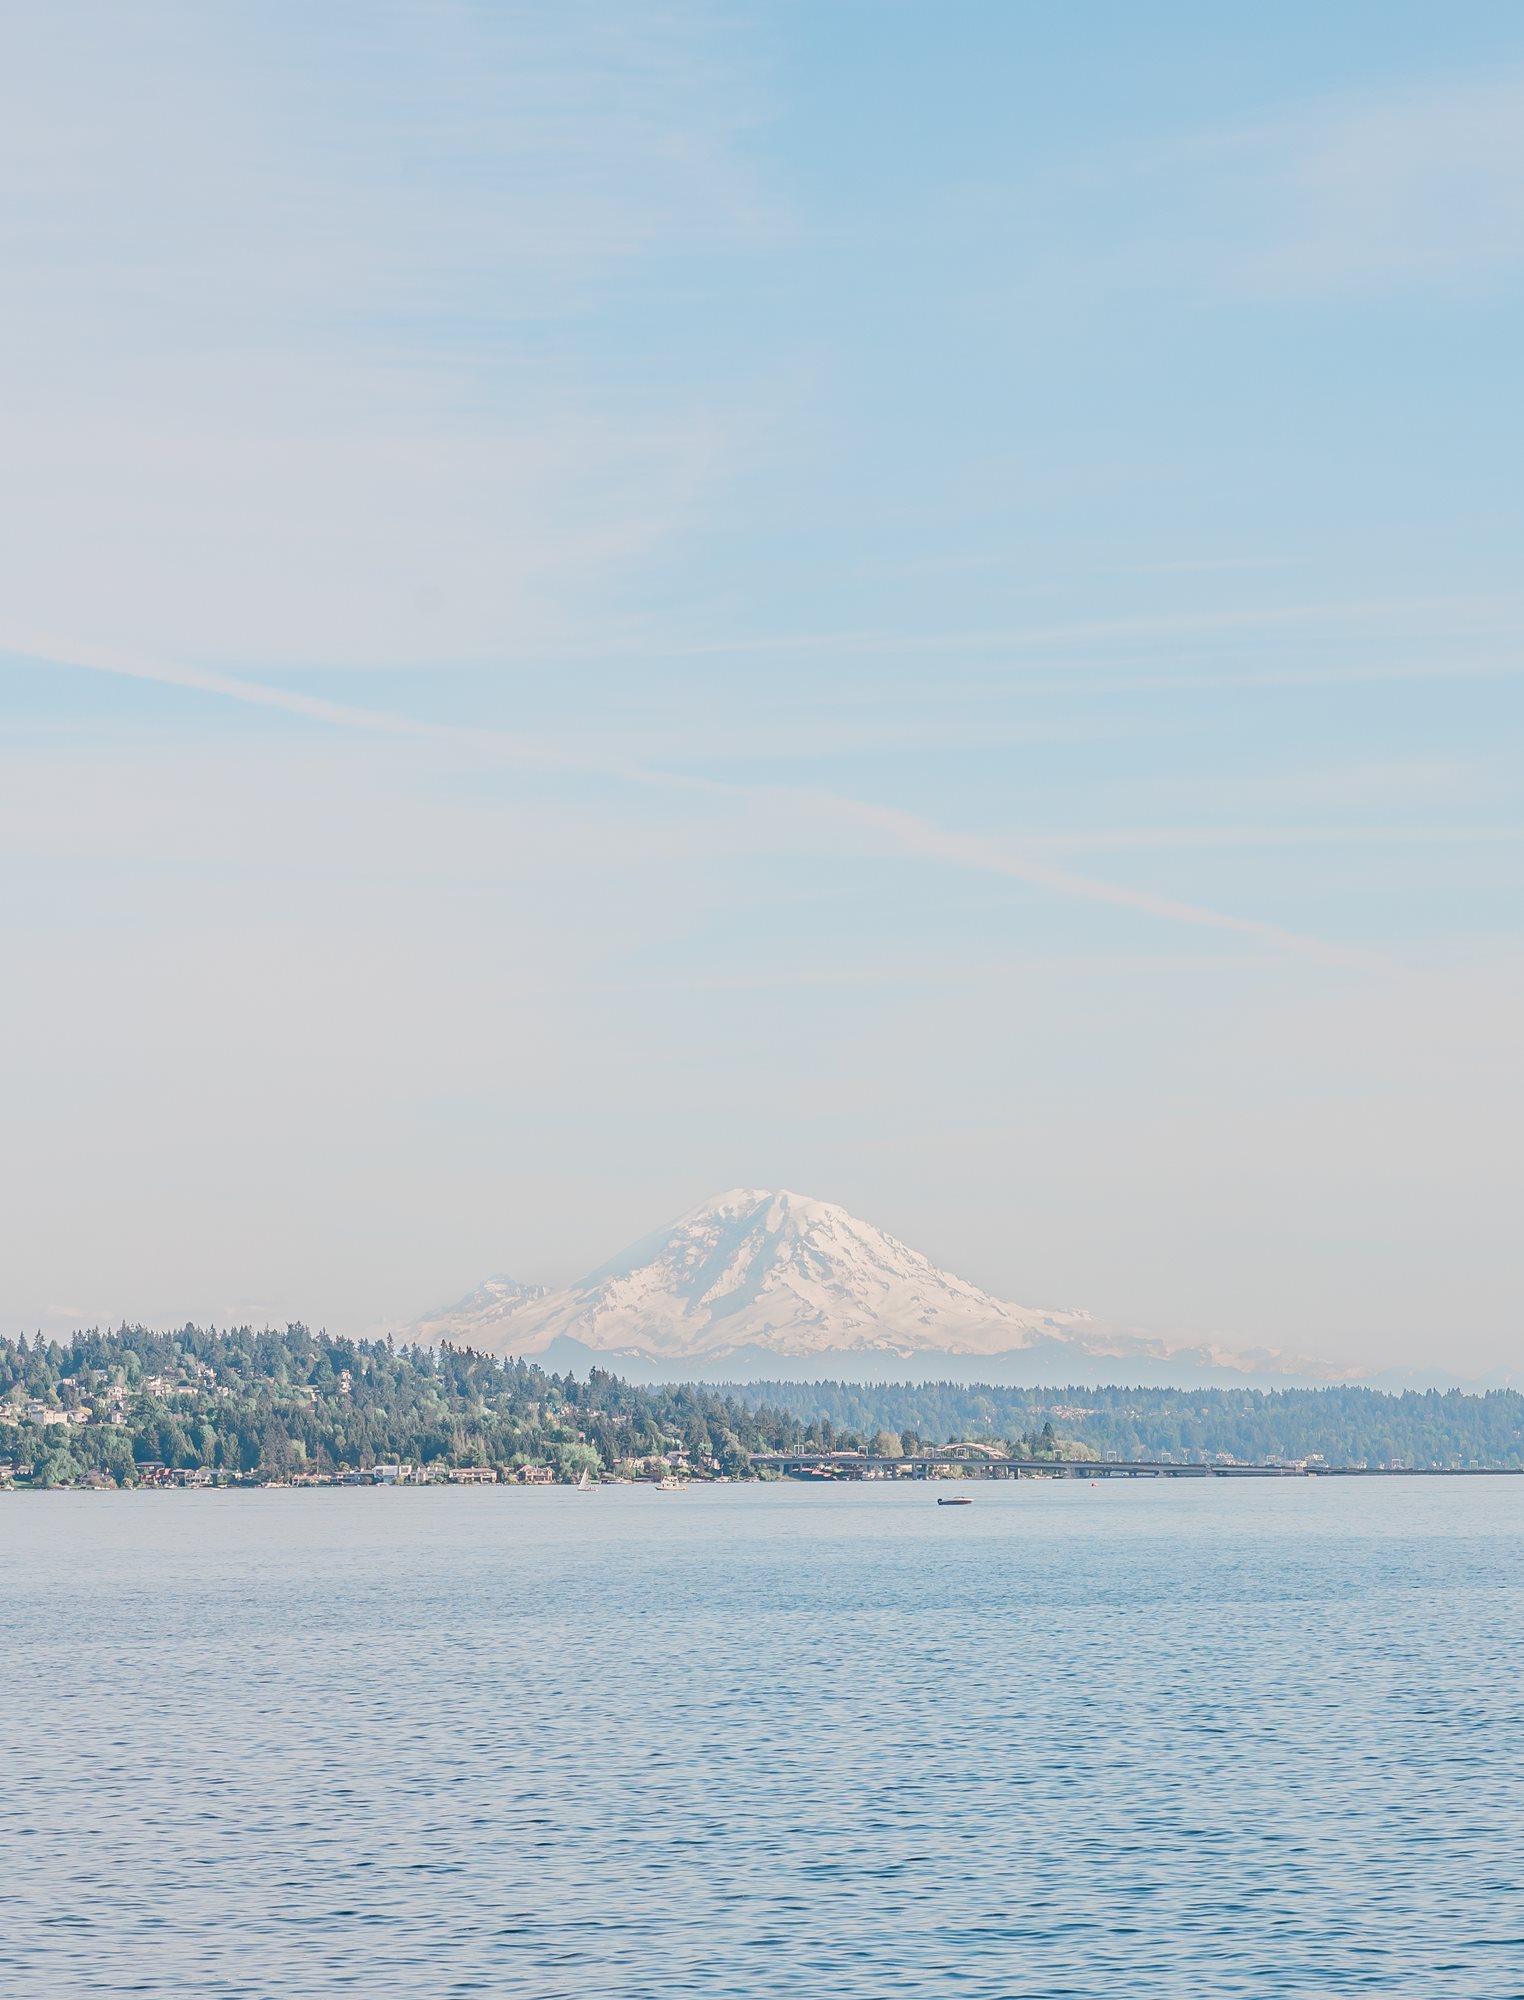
[918, 601]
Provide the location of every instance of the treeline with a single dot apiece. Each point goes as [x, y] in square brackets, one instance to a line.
[1344, 1425]
[280, 1404]
[275, 1405]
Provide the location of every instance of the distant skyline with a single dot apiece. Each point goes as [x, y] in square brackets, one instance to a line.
[917, 603]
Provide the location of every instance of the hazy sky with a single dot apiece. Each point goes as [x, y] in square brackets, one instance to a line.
[914, 600]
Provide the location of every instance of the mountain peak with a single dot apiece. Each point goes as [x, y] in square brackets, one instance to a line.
[757, 1268]
[777, 1203]
[757, 1282]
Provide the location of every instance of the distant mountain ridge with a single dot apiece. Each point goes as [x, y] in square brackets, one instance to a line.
[754, 1276]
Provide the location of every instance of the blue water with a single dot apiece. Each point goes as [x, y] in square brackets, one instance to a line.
[1172, 1739]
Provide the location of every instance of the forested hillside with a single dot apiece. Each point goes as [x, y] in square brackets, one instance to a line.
[284, 1404]
[126, 1406]
[1343, 1425]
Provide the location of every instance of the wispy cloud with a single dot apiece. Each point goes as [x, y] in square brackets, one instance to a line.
[277, 282]
[913, 835]
[1162, 837]
[886, 829]
[1406, 187]
[1463, 612]
[1347, 193]
[1204, 565]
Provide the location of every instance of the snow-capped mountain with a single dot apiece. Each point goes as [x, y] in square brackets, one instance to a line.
[493, 1300]
[754, 1278]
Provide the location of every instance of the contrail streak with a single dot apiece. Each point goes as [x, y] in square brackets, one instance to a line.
[898, 831]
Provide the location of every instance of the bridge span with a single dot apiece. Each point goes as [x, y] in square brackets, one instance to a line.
[926, 1465]
[826, 1465]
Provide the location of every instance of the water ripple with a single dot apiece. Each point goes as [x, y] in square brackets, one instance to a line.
[748, 1742]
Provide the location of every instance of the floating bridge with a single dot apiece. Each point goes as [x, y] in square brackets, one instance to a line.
[990, 1465]
[981, 1462]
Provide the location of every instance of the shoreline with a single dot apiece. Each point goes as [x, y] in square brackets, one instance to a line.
[1090, 1475]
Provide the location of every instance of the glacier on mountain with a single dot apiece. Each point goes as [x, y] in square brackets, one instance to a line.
[762, 1276]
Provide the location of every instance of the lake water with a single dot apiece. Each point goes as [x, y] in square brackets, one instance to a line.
[1165, 1739]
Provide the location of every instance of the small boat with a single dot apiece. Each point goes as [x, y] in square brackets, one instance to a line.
[667, 1484]
[584, 1484]
[957, 1500]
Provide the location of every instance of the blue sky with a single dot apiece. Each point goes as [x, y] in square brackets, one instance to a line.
[916, 602]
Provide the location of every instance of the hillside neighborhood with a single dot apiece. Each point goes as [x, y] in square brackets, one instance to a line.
[201, 1408]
